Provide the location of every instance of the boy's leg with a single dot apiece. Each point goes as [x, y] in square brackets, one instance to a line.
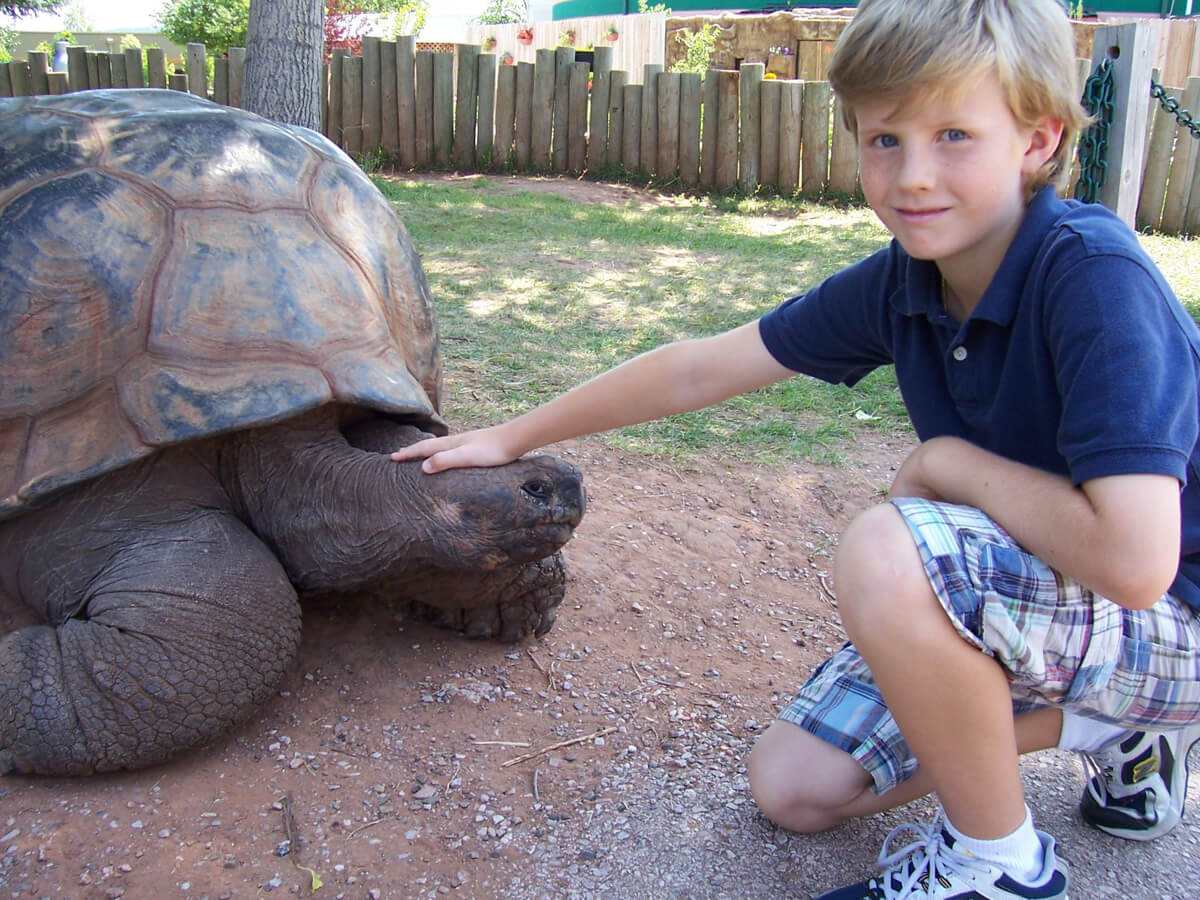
[806, 784]
[952, 702]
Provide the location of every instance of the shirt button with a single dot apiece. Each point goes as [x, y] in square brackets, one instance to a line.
[960, 353]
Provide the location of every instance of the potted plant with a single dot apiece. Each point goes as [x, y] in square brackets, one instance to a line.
[612, 34]
[567, 38]
[525, 35]
[507, 59]
[489, 43]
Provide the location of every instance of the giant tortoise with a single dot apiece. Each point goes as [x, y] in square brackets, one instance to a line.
[213, 328]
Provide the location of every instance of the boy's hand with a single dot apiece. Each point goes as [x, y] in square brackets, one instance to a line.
[470, 448]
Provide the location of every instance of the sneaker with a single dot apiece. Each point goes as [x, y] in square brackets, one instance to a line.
[931, 867]
[1137, 786]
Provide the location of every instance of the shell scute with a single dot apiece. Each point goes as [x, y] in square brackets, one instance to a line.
[73, 275]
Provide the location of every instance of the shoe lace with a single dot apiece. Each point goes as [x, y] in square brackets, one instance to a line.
[921, 860]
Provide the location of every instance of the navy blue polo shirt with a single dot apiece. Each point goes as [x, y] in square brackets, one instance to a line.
[1078, 359]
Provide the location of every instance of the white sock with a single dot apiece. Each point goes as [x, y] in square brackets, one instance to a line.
[1019, 854]
[1087, 735]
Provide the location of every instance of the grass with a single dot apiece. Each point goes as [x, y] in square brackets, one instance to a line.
[535, 293]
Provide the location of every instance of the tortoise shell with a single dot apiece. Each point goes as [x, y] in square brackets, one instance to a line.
[172, 269]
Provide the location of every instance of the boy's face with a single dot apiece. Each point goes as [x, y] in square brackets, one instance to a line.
[947, 176]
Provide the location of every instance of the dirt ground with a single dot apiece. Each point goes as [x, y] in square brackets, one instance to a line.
[606, 759]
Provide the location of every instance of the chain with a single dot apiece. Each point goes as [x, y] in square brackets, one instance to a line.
[1171, 105]
[1093, 143]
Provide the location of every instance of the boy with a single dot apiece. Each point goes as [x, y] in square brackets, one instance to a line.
[1034, 580]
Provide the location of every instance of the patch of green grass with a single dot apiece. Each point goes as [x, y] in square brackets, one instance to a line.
[536, 293]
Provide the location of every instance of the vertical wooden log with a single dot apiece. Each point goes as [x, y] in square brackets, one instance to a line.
[843, 154]
[197, 70]
[372, 99]
[134, 76]
[93, 69]
[466, 109]
[791, 102]
[1191, 215]
[178, 81]
[352, 130]
[616, 116]
[1179, 181]
[577, 107]
[708, 137]
[814, 135]
[1129, 47]
[1158, 164]
[631, 138]
[237, 75]
[750, 138]
[6, 82]
[648, 155]
[506, 115]
[597, 157]
[443, 108]
[39, 67]
[156, 68]
[769, 96]
[116, 65]
[18, 73]
[104, 70]
[726, 172]
[485, 132]
[564, 59]
[57, 82]
[77, 70]
[389, 112]
[523, 132]
[333, 121]
[406, 99]
[543, 109]
[220, 90]
[667, 165]
[423, 144]
[689, 129]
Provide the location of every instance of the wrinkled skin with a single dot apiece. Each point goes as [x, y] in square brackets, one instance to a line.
[170, 587]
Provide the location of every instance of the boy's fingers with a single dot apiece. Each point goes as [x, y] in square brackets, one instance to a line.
[427, 447]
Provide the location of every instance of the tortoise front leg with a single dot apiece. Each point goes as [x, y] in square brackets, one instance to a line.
[180, 631]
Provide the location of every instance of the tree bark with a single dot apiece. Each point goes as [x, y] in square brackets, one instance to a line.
[284, 39]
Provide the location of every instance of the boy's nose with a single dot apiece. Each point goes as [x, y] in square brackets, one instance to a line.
[917, 170]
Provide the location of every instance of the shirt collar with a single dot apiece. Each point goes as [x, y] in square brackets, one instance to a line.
[922, 295]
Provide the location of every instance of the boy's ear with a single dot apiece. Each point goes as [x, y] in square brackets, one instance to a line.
[1043, 143]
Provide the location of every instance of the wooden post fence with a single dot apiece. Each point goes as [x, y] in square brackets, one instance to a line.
[730, 130]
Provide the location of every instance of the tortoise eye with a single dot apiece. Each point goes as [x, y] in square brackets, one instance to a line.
[537, 488]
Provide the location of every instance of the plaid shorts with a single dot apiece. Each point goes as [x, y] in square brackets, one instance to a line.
[1058, 643]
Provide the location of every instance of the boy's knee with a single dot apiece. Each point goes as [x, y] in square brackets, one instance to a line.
[790, 785]
[876, 565]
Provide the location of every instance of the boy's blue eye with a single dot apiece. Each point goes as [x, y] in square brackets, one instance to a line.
[887, 140]
[956, 134]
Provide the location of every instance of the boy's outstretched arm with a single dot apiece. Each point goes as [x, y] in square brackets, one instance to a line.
[1118, 535]
[672, 379]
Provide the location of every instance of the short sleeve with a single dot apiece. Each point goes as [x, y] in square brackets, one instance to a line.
[839, 331]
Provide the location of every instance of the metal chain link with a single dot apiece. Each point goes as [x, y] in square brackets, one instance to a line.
[1093, 143]
[1171, 105]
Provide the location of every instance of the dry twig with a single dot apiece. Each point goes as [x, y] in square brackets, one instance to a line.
[549, 673]
[293, 837]
[608, 729]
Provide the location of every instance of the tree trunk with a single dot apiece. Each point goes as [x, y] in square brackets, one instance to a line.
[284, 39]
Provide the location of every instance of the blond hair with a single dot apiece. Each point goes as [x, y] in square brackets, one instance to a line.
[898, 49]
